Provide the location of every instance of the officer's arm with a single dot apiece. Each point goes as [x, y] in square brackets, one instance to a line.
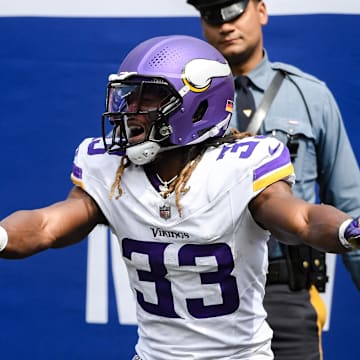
[291, 219]
[334, 150]
[352, 263]
[61, 224]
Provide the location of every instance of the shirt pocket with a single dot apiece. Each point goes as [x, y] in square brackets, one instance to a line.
[298, 136]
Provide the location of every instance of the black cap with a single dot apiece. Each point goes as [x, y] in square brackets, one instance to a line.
[217, 12]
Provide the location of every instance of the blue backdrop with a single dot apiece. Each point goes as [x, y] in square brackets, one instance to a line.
[53, 73]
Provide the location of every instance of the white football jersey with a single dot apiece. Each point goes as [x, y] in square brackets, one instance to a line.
[198, 279]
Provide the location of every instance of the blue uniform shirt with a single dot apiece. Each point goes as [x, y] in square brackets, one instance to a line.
[305, 112]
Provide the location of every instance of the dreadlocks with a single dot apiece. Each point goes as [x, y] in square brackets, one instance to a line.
[179, 186]
[124, 162]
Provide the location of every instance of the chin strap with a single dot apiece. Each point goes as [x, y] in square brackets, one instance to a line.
[147, 151]
[143, 153]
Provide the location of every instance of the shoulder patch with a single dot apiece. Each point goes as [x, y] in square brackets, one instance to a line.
[293, 70]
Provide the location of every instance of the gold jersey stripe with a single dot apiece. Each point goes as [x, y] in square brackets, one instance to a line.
[77, 181]
[273, 177]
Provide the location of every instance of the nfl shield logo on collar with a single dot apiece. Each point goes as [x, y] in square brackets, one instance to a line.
[165, 212]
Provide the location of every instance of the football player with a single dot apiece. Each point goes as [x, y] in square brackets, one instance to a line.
[191, 205]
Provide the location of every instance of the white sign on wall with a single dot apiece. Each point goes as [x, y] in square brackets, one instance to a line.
[160, 8]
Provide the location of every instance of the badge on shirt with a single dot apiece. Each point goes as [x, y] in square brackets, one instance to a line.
[165, 211]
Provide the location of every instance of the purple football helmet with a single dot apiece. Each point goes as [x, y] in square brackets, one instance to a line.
[194, 88]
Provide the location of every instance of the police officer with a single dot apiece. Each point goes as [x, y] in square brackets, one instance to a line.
[304, 115]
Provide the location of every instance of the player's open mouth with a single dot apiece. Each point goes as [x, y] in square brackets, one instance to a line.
[136, 133]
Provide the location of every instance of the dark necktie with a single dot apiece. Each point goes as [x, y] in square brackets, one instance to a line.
[245, 104]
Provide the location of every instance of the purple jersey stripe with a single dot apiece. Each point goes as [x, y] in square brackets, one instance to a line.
[77, 172]
[280, 161]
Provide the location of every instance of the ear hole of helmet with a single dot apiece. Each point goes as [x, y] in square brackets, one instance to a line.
[200, 111]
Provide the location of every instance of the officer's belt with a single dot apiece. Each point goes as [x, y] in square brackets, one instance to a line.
[300, 268]
[277, 272]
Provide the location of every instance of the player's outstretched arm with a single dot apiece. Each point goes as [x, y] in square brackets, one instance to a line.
[293, 220]
[61, 224]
